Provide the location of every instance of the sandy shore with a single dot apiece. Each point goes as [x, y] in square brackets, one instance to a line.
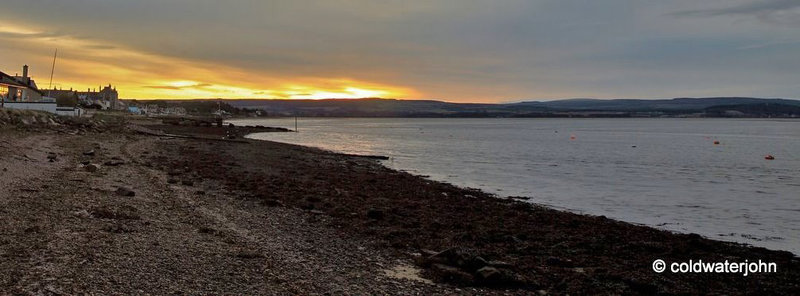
[172, 215]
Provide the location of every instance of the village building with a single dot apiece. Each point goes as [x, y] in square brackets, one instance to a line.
[106, 98]
[21, 92]
[19, 88]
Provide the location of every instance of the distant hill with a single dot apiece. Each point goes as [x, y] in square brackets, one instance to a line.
[376, 107]
[754, 110]
[678, 104]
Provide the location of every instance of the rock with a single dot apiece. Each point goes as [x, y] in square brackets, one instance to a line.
[172, 181]
[428, 253]
[124, 191]
[89, 153]
[499, 264]
[459, 257]
[452, 274]
[488, 275]
[476, 262]
[83, 214]
[52, 156]
[114, 162]
[187, 182]
[559, 262]
[375, 214]
[317, 212]
[91, 167]
[272, 203]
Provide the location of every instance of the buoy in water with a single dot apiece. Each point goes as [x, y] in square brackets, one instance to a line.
[716, 142]
[769, 157]
[572, 137]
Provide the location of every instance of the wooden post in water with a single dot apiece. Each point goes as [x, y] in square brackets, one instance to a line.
[295, 124]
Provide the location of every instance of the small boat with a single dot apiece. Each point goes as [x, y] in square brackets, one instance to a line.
[769, 157]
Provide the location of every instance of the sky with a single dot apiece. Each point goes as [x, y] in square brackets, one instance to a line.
[451, 50]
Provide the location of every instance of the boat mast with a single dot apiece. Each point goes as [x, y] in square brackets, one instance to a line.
[52, 70]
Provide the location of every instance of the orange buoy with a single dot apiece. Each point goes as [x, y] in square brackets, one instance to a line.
[716, 142]
[769, 157]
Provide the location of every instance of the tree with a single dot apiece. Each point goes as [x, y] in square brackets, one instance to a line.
[67, 100]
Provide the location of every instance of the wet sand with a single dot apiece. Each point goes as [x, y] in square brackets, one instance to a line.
[256, 217]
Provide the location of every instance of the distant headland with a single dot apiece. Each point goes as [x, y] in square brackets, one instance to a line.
[743, 107]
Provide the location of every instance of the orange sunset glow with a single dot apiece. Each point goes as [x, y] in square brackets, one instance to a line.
[84, 64]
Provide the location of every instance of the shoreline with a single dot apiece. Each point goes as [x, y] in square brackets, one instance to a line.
[259, 217]
[424, 164]
[470, 204]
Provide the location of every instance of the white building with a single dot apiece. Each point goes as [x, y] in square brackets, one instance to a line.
[20, 92]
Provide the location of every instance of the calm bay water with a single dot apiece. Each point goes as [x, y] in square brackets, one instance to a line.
[666, 173]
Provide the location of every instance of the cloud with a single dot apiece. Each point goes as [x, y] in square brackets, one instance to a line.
[456, 50]
[180, 87]
[100, 46]
[784, 12]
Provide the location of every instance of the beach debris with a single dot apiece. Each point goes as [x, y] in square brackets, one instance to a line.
[52, 157]
[769, 157]
[89, 153]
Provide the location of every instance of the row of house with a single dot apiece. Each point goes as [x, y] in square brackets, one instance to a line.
[19, 88]
[21, 92]
[104, 98]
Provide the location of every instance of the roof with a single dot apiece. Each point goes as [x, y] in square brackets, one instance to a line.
[8, 80]
[12, 81]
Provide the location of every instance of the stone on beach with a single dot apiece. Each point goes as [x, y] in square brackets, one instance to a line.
[375, 214]
[91, 167]
[124, 191]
